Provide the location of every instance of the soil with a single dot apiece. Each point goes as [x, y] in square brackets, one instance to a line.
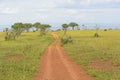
[56, 65]
[103, 65]
[13, 57]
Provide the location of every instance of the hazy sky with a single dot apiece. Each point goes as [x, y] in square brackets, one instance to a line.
[59, 11]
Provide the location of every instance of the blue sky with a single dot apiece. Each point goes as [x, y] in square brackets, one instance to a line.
[59, 11]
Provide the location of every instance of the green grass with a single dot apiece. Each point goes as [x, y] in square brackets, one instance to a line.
[19, 59]
[86, 48]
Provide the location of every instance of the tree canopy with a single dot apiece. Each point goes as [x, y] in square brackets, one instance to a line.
[73, 24]
[65, 26]
[37, 25]
[27, 26]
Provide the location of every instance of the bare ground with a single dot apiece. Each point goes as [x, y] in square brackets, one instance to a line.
[103, 65]
[56, 65]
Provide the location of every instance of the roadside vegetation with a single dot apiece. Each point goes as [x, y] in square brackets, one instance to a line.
[65, 38]
[99, 57]
[19, 58]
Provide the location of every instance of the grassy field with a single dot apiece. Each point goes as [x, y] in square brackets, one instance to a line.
[99, 57]
[19, 59]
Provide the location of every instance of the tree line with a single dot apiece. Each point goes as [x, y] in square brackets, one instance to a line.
[18, 28]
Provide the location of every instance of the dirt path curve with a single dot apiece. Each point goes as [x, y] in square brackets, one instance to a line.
[56, 65]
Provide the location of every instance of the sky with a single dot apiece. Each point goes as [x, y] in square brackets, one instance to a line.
[59, 11]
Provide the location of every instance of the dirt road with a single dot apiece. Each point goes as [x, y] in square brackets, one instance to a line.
[56, 65]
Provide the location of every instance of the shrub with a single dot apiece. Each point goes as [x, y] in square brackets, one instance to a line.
[105, 29]
[96, 35]
[33, 30]
[66, 39]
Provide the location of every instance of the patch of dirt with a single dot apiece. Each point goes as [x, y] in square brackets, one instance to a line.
[13, 57]
[102, 65]
[56, 65]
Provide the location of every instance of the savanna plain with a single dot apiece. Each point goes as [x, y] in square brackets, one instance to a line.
[99, 57]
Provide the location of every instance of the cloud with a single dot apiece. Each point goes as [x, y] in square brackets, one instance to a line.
[58, 11]
[93, 4]
[8, 10]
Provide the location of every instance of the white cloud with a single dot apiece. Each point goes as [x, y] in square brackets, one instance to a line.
[85, 2]
[71, 1]
[95, 2]
[72, 11]
[59, 10]
[8, 10]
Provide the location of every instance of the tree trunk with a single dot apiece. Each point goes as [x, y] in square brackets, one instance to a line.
[65, 31]
[72, 27]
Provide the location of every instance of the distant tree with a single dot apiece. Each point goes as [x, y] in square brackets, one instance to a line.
[84, 27]
[43, 28]
[7, 37]
[65, 26]
[17, 26]
[37, 25]
[66, 39]
[16, 31]
[105, 29]
[73, 24]
[96, 28]
[27, 26]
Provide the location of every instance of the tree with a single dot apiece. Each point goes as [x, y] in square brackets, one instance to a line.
[37, 25]
[84, 27]
[27, 26]
[65, 26]
[73, 24]
[96, 28]
[18, 28]
[43, 28]
[66, 39]
[7, 37]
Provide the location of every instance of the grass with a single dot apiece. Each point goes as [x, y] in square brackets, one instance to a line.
[86, 48]
[19, 59]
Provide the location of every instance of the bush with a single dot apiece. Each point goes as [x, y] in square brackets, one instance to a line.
[66, 39]
[96, 35]
[33, 30]
[105, 29]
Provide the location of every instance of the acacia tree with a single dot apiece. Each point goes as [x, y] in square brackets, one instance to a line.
[37, 25]
[65, 26]
[18, 28]
[43, 28]
[73, 24]
[27, 26]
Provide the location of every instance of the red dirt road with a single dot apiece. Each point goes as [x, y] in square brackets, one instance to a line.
[56, 65]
